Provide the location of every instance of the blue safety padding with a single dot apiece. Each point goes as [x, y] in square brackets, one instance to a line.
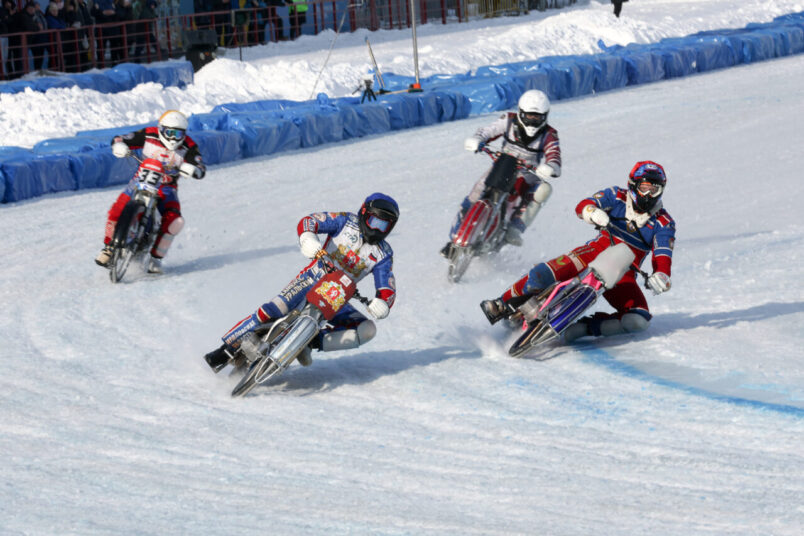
[678, 60]
[129, 75]
[210, 121]
[17, 86]
[28, 176]
[711, 52]
[2, 185]
[173, 73]
[262, 134]
[256, 106]
[99, 168]
[218, 146]
[50, 82]
[70, 145]
[611, 72]
[122, 77]
[533, 79]
[10, 151]
[109, 133]
[371, 118]
[98, 81]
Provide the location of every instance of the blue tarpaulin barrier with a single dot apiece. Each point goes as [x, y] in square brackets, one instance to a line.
[122, 77]
[240, 130]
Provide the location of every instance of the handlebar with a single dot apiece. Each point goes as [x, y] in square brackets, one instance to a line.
[329, 266]
[494, 155]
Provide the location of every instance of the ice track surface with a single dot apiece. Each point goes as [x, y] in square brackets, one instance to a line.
[112, 423]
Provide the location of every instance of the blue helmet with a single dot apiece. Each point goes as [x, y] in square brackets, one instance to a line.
[377, 216]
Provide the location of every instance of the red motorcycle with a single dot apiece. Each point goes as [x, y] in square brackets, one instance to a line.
[483, 228]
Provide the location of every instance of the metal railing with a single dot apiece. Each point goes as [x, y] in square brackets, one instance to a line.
[144, 41]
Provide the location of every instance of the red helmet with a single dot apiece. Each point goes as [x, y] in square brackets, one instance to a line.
[646, 184]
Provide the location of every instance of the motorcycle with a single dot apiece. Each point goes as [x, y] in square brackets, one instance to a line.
[138, 224]
[483, 228]
[267, 353]
[545, 316]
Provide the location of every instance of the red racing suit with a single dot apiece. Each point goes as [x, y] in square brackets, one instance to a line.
[169, 206]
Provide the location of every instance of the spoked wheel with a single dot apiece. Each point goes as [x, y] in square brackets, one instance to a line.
[121, 258]
[534, 336]
[458, 263]
[249, 381]
[125, 241]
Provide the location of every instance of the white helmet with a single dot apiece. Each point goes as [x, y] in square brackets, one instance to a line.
[533, 109]
[172, 129]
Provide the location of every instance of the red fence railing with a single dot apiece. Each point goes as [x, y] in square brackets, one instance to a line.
[144, 41]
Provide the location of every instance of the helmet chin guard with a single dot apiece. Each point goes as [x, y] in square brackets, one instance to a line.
[646, 184]
[378, 215]
[172, 129]
[533, 107]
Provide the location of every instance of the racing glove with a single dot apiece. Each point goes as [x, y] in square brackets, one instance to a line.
[595, 216]
[120, 149]
[309, 244]
[378, 308]
[659, 282]
[189, 171]
[545, 171]
[473, 144]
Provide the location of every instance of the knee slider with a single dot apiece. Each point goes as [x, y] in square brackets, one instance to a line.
[348, 339]
[539, 278]
[634, 322]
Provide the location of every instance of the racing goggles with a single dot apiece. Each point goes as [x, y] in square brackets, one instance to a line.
[378, 224]
[175, 134]
[649, 189]
[532, 119]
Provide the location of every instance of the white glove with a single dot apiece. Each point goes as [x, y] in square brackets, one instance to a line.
[378, 308]
[595, 216]
[120, 149]
[659, 282]
[545, 171]
[472, 144]
[309, 244]
[189, 171]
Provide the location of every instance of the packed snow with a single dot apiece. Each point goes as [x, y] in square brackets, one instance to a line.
[113, 424]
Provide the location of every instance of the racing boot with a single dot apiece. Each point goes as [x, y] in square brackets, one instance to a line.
[104, 256]
[155, 265]
[513, 236]
[496, 309]
[305, 358]
[218, 358]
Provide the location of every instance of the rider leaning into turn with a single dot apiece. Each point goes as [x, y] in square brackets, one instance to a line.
[168, 143]
[527, 137]
[356, 244]
[635, 216]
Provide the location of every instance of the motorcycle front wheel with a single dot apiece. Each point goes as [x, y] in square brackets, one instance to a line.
[124, 244]
[459, 262]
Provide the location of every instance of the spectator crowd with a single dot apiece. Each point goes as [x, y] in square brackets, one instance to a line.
[76, 35]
